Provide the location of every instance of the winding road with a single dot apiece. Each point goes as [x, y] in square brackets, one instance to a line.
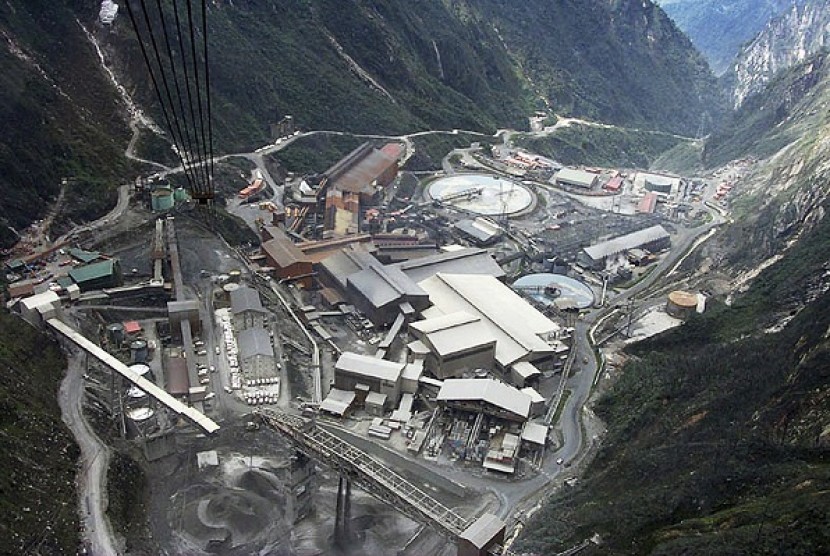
[94, 461]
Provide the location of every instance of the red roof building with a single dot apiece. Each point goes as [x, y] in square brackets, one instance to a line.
[132, 327]
[648, 204]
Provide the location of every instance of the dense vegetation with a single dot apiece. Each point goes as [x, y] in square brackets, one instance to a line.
[713, 443]
[60, 116]
[315, 154]
[597, 146]
[431, 149]
[38, 501]
[621, 61]
[718, 28]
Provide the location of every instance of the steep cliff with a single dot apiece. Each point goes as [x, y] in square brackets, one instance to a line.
[794, 36]
[718, 28]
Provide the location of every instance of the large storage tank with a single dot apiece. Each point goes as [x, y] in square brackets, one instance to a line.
[161, 199]
[139, 351]
[141, 370]
[681, 304]
[180, 194]
[115, 333]
[659, 184]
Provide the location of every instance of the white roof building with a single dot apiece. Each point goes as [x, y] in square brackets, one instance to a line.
[522, 333]
[503, 400]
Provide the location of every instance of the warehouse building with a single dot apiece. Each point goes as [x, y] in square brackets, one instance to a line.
[178, 311]
[256, 354]
[382, 292]
[522, 333]
[357, 372]
[571, 177]
[457, 342]
[96, 276]
[488, 396]
[365, 171]
[481, 231]
[178, 381]
[653, 239]
[247, 309]
[287, 260]
[468, 260]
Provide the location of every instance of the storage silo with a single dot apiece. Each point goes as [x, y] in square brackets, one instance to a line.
[161, 199]
[115, 333]
[139, 351]
[681, 304]
[180, 194]
[141, 370]
[234, 275]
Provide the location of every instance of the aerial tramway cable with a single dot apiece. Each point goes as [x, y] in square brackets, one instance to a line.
[192, 137]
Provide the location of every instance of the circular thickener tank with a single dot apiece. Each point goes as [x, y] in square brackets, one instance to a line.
[140, 369]
[115, 333]
[139, 351]
[140, 414]
[161, 199]
[556, 289]
[230, 287]
[481, 194]
[681, 304]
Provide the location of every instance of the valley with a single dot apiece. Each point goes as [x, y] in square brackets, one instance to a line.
[444, 324]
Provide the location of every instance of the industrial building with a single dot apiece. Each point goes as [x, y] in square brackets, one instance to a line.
[522, 333]
[461, 261]
[457, 342]
[40, 307]
[177, 311]
[382, 292]
[571, 177]
[483, 537]
[247, 309]
[353, 370]
[287, 260]
[256, 353]
[178, 381]
[485, 395]
[365, 171]
[96, 276]
[481, 231]
[654, 239]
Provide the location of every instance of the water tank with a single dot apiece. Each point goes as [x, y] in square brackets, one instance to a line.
[234, 275]
[139, 351]
[140, 414]
[136, 393]
[180, 194]
[659, 184]
[681, 304]
[115, 333]
[141, 369]
[161, 199]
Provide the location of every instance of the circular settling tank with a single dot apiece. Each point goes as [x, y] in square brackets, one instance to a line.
[556, 289]
[481, 193]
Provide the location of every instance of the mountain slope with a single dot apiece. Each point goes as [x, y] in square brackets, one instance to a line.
[719, 431]
[719, 27]
[789, 39]
[621, 61]
[60, 116]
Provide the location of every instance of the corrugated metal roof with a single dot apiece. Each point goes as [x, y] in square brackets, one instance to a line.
[573, 176]
[338, 401]
[178, 382]
[487, 390]
[535, 433]
[254, 341]
[358, 176]
[526, 369]
[246, 299]
[518, 331]
[93, 271]
[464, 261]
[626, 242]
[346, 262]
[356, 364]
[382, 285]
[483, 530]
[283, 251]
[454, 333]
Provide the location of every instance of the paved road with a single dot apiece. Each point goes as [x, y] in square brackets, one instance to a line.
[95, 457]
